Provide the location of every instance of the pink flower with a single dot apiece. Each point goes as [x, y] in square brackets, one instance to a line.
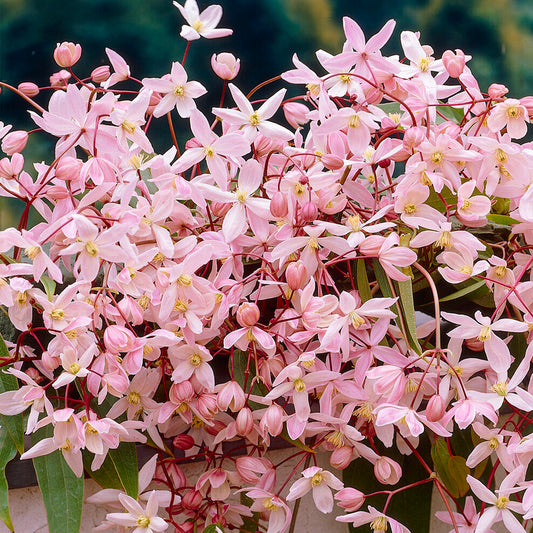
[378, 521]
[144, 520]
[320, 482]
[511, 114]
[176, 90]
[67, 54]
[201, 24]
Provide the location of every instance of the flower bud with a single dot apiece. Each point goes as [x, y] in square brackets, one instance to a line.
[118, 339]
[249, 468]
[207, 405]
[296, 114]
[60, 79]
[373, 95]
[413, 137]
[219, 209]
[527, 102]
[341, 457]
[57, 192]
[350, 499]
[384, 163]
[225, 65]
[497, 90]
[248, 315]
[279, 206]
[181, 392]
[309, 212]
[244, 422]
[183, 442]
[387, 471]
[49, 361]
[100, 74]
[231, 396]
[296, 275]
[68, 168]
[332, 162]
[436, 408]
[272, 420]
[454, 63]
[215, 427]
[11, 168]
[14, 142]
[475, 344]
[67, 54]
[191, 500]
[27, 88]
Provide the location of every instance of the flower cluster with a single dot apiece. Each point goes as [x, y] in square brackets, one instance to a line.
[291, 253]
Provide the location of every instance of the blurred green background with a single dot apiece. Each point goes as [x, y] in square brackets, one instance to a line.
[497, 33]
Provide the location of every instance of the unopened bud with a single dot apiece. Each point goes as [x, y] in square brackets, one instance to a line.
[27, 88]
[387, 471]
[341, 457]
[332, 162]
[309, 212]
[350, 499]
[296, 275]
[244, 422]
[436, 408]
[296, 114]
[67, 54]
[248, 315]
[454, 63]
[183, 442]
[496, 90]
[14, 142]
[191, 500]
[279, 206]
[100, 74]
[225, 65]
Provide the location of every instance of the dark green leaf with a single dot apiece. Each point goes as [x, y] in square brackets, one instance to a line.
[249, 523]
[125, 460]
[213, 528]
[435, 199]
[62, 491]
[8, 450]
[458, 471]
[295, 442]
[451, 468]
[106, 476]
[463, 292]
[238, 370]
[407, 305]
[450, 113]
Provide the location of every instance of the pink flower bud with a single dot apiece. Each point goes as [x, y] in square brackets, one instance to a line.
[57, 192]
[244, 422]
[296, 275]
[475, 344]
[60, 79]
[350, 499]
[34, 374]
[207, 405]
[181, 392]
[436, 408]
[387, 471]
[118, 339]
[296, 114]
[332, 162]
[215, 427]
[309, 212]
[191, 500]
[231, 396]
[272, 420]
[219, 209]
[454, 63]
[27, 88]
[100, 74]
[384, 163]
[497, 90]
[14, 142]
[249, 468]
[279, 207]
[49, 361]
[67, 54]
[183, 442]
[248, 315]
[373, 95]
[225, 65]
[68, 168]
[527, 102]
[413, 137]
[341, 457]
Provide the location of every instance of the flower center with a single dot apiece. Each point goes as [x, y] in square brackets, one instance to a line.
[484, 334]
[21, 298]
[379, 524]
[129, 126]
[32, 252]
[74, 368]
[57, 314]
[134, 398]
[437, 157]
[500, 271]
[299, 385]
[336, 438]
[500, 388]
[355, 222]
[197, 25]
[356, 319]
[354, 121]
[513, 111]
[345, 78]
[493, 443]
[181, 306]
[254, 119]
[423, 63]
[179, 90]
[91, 248]
[241, 196]
[316, 479]
[184, 279]
[209, 151]
[500, 156]
[143, 521]
[269, 505]
[195, 360]
[502, 502]
[409, 209]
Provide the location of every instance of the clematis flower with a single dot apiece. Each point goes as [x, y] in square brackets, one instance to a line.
[378, 521]
[144, 520]
[201, 24]
[320, 482]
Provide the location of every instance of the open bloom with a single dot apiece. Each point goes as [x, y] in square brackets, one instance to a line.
[144, 520]
[320, 482]
[201, 24]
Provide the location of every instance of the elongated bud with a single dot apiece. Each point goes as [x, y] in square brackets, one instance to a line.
[413, 137]
[272, 420]
[207, 405]
[279, 206]
[454, 63]
[219, 209]
[11, 168]
[68, 168]
[436, 408]
[67, 54]
[249, 468]
[341, 457]
[244, 422]
[350, 499]
[296, 275]
[496, 90]
[191, 500]
[14, 142]
[332, 162]
[296, 114]
[309, 212]
[60, 79]
[27, 88]
[248, 315]
[181, 392]
[183, 442]
[100, 74]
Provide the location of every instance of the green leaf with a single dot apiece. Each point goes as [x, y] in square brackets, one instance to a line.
[62, 491]
[238, 370]
[363, 285]
[8, 450]
[451, 468]
[450, 113]
[407, 305]
[503, 220]
[14, 424]
[49, 286]
[124, 459]
[435, 201]
[463, 292]
[213, 528]
[106, 476]
[295, 442]
[391, 107]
